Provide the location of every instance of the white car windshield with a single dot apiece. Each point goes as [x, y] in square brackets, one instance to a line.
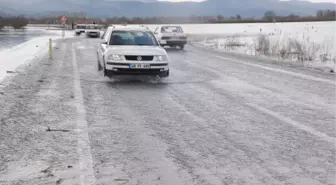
[80, 26]
[171, 29]
[92, 27]
[133, 38]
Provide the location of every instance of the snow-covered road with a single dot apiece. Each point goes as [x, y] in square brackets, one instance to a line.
[216, 120]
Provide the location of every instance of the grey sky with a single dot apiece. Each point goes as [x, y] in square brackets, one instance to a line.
[315, 1]
[318, 1]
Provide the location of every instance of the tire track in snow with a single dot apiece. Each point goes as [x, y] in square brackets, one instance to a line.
[294, 123]
[300, 75]
[307, 77]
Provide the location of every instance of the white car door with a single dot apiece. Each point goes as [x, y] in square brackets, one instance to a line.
[157, 33]
[103, 45]
[99, 49]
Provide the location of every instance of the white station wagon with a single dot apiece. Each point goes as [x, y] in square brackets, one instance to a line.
[171, 35]
[80, 28]
[92, 30]
[131, 50]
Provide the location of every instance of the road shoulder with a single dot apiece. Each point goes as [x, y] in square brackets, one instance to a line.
[38, 136]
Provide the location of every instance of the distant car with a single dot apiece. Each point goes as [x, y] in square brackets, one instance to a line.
[172, 35]
[131, 50]
[92, 30]
[80, 28]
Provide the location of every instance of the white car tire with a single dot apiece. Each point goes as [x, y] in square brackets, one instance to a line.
[98, 64]
[164, 74]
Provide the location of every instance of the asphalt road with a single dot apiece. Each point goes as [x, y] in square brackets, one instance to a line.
[216, 120]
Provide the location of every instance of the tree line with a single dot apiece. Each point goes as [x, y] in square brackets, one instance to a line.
[269, 16]
[326, 13]
[18, 22]
[321, 15]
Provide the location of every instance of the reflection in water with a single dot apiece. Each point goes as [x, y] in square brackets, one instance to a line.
[10, 38]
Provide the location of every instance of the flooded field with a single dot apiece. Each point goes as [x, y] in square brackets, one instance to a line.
[10, 37]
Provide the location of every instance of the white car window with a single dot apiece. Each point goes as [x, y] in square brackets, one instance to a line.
[145, 38]
[171, 29]
[103, 36]
[80, 26]
[107, 34]
[156, 30]
[92, 27]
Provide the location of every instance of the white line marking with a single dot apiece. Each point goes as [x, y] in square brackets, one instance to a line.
[280, 71]
[294, 123]
[84, 150]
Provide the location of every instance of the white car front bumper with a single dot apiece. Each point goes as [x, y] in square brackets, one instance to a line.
[137, 67]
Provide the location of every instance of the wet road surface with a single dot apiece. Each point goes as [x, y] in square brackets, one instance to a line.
[216, 120]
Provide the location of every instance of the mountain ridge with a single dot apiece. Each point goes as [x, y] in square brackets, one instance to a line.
[133, 8]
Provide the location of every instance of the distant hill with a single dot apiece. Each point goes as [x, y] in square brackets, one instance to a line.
[150, 8]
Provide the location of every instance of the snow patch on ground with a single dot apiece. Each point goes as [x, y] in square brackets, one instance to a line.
[21, 54]
[315, 39]
[291, 48]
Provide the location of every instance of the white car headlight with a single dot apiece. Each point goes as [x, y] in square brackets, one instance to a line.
[115, 57]
[160, 58]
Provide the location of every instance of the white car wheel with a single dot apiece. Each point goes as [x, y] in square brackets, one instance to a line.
[98, 63]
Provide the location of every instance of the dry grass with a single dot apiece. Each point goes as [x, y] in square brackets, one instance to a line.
[296, 49]
[233, 41]
[263, 44]
[283, 48]
[228, 43]
[326, 53]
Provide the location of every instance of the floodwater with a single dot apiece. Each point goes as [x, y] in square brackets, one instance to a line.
[10, 37]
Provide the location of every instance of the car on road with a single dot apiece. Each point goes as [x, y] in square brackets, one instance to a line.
[92, 30]
[80, 28]
[131, 50]
[173, 35]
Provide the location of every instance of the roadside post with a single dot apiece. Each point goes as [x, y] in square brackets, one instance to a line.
[63, 20]
[63, 30]
[50, 48]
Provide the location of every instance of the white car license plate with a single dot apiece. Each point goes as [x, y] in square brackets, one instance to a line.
[139, 66]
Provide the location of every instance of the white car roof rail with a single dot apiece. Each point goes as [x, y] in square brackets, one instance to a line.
[130, 26]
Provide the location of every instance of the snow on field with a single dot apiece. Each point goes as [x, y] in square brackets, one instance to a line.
[313, 44]
[21, 54]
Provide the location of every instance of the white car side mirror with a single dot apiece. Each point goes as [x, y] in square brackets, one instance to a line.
[163, 42]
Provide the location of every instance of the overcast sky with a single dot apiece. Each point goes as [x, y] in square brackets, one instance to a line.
[315, 1]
